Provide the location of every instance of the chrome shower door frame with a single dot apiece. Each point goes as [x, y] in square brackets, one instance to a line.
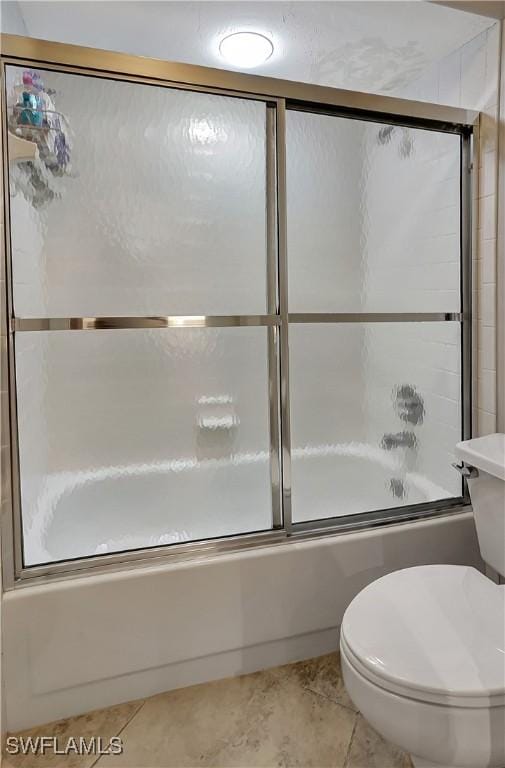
[278, 96]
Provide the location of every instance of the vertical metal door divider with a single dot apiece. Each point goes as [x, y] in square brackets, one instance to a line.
[283, 311]
[12, 531]
[273, 309]
[468, 199]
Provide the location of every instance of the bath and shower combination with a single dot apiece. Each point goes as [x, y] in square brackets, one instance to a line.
[223, 323]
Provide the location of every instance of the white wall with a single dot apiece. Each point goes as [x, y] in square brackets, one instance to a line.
[90, 642]
[11, 19]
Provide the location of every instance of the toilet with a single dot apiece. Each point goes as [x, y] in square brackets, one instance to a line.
[423, 649]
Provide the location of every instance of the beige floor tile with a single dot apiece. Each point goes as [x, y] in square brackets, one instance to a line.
[321, 675]
[265, 719]
[369, 750]
[295, 716]
[102, 723]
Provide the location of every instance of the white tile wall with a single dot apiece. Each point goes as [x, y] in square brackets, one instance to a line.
[485, 401]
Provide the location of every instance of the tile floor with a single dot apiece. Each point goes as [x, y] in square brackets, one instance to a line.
[295, 716]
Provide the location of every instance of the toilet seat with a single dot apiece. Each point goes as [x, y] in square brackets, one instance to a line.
[441, 699]
[430, 633]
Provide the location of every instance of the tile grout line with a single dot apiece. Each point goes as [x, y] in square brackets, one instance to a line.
[327, 698]
[343, 706]
[126, 724]
[304, 689]
[348, 753]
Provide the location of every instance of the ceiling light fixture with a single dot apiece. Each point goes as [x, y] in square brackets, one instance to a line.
[246, 49]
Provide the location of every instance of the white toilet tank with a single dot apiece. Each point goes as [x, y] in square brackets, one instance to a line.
[487, 493]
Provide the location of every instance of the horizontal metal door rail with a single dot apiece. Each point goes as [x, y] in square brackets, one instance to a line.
[42, 53]
[158, 321]
[224, 321]
[374, 317]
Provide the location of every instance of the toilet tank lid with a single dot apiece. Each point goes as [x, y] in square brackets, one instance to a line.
[486, 453]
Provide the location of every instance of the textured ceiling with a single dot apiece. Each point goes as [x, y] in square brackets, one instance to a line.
[368, 46]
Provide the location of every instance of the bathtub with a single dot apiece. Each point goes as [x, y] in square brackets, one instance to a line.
[121, 635]
[114, 509]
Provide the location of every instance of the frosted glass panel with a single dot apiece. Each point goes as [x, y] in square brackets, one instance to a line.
[137, 438]
[375, 416]
[160, 210]
[373, 216]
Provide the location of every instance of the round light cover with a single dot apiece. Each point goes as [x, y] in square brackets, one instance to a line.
[246, 49]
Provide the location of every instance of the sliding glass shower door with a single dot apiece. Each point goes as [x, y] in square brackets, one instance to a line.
[239, 309]
[374, 222]
[133, 435]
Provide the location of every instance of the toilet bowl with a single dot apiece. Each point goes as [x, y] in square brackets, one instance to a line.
[423, 649]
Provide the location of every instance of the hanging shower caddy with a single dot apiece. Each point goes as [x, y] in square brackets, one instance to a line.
[39, 138]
